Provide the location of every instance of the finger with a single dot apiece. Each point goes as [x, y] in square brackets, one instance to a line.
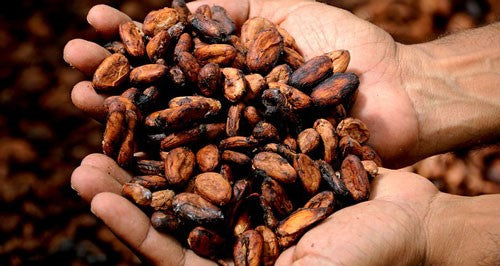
[237, 10]
[286, 257]
[89, 181]
[131, 225]
[85, 98]
[108, 165]
[84, 55]
[106, 19]
[393, 185]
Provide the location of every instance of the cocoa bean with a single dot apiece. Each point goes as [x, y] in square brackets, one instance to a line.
[221, 54]
[265, 132]
[333, 179]
[265, 51]
[162, 200]
[238, 142]
[270, 249]
[292, 58]
[220, 15]
[252, 115]
[179, 165]
[251, 29]
[233, 119]
[370, 167]
[355, 178]
[340, 60]
[323, 199]
[151, 182]
[349, 145]
[111, 73]
[337, 89]
[194, 208]
[234, 84]
[184, 44]
[182, 10]
[311, 72]
[166, 221]
[256, 84]
[274, 166]
[209, 79]
[275, 195]
[248, 249]
[294, 226]
[159, 20]
[157, 47]
[297, 99]
[235, 157]
[132, 39]
[213, 187]
[137, 193]
[368, 153]
[308, 173]
[147, 74]
[189, 65]
[326, 131]
[308, 140]
[354, 128]
[280, 74]
[205, 243]
[208, 158]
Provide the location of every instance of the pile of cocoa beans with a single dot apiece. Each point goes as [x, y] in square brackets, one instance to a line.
[237, 145]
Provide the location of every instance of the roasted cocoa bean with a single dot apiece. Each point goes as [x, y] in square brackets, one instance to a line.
[184, 44]
[326, 131]
[308, 173]
[355, 178]
[208, 158]
[157, 47]
[252, 116]
[311, 72]
[179, 165]
[162, 200]
[323, 199]
[151, 182]
[111, 73]
[137, 193]
[248, 249]
[264, 51]
[233, 119]
[280, 74]
[205, 243]
[166, 221]
[194, 208]
[265, 132]
[297, 99]
[275, 195]
[234, 84]
[354, 128]
[189, 65]
[256, 84]
[340, 60]
[270, 249]
[221, 54]
[274, 166]
[292, 58]
[308, 140]
[132, 39]
[294, 226]
[213, 187]
[333, 179]
[337, 89]
[236, 157]
[159, 20]
[147, 74]
[209, 79]
[238, 142]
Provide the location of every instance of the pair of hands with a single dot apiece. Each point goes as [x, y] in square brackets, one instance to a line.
[389, 229]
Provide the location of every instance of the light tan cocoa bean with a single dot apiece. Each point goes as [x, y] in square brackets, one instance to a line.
[340, 60]
[288, 40]
[292, 58]
[275, 167]
[327, 133]
[308, 140]
[354, 128]
[159, 20]
[256, 84]
[234, 84]
[162, 200]
[111, 73]
[251, 29]
[370, 167]
[280, 74]
[294, 226]
[179, 165]
[213, 187]
[137, 193]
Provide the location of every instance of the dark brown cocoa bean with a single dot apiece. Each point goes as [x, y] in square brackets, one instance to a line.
[184, 44]
[194, 208]
[311, 73]
[115, 47]
[337, 89]
[270, 219]
[209, 79]
[205, 243]
[275, 195]
[333, 179]
[220, 15]
[210, 30]
[265, 132]
[189, 65]
[236, 157]
[264, 52]
[182, 10]
[166, 221]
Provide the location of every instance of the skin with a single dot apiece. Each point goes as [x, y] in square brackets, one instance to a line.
[406, 221]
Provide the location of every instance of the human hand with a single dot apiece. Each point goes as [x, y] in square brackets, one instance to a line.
[406, 221]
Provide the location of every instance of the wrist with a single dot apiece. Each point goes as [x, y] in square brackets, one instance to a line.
[463, 230]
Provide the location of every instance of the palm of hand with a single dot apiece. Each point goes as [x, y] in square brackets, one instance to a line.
[381, 103]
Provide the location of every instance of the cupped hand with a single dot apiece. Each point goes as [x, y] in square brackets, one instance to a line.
[382, 102]
[387, 230]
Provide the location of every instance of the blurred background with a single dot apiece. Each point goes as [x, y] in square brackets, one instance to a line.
[43, 136]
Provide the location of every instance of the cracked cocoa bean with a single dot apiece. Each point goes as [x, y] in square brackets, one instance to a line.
[248, 249]
[159, 20]
[354, 128]
[111, 73]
